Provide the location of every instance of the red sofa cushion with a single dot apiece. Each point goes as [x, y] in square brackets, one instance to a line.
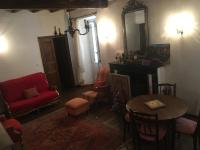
[29, 93]
[43, 98]
[12, 90]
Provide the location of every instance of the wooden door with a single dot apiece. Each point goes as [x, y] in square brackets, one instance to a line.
[49, 60]
[64, 61]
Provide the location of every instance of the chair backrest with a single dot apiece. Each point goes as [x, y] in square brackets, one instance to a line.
[198, 125]
[102, 76]
[102, 73]
[119, 101]
[145, 126]
[121, 83]
[167, 89]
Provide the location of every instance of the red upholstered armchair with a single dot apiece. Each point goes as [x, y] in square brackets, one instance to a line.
[25, 94]
[100, 87]
[13, 127]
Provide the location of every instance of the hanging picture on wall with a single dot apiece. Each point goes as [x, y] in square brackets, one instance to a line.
[159, 54]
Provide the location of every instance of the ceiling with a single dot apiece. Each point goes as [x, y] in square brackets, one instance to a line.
[52, 5]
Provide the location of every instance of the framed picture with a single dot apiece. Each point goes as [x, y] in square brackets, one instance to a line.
[159, 53]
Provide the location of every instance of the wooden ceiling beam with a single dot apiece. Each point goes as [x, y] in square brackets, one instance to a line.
[34, 10]
[53, 10]
[13, 10]
[52, 4]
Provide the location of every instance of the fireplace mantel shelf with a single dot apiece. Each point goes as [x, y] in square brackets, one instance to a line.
[140, 77]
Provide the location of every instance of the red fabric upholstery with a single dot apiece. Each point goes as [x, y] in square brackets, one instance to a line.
[162, 133]
[77, 106]
[186, 126]
[29, 93]
[33, 102]
[102, 77]
[13, 123]
[90, 96]
[14, 129]
[12, 90]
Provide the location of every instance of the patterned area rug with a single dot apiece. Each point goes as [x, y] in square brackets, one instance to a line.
[54, 132]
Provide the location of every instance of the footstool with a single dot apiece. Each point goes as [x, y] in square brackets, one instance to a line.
[91, 96]
[76, 106]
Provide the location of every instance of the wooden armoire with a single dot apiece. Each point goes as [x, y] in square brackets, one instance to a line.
[56, 60]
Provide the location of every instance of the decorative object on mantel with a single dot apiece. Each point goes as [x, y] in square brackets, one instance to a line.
[59, 33]
[55, 31]
[156, 55]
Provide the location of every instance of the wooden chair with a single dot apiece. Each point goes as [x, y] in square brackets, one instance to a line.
[120, 86]
[167, 89]
[13, 128]
[147, 127]
[189, 127]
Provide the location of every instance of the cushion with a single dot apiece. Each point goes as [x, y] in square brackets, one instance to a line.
[76, 103]
[186, 126]
[77, 106]
[26, 104]
[90, 96]
[13, 123]
[29, 93]
[12, 90]
[99, 83]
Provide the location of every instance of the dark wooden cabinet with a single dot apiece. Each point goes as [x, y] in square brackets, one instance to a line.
[56, 60]
[139, 77]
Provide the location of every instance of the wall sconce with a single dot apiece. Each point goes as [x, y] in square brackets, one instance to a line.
[3, 45]
[179, 24]
[72, 30]
[180, 31]
[106, 31]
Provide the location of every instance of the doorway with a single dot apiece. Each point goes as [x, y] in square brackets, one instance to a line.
[88, 51]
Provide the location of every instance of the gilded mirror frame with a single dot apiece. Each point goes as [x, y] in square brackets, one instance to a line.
[132, 6]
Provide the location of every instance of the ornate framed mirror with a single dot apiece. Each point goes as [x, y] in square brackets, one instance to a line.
[135, 25]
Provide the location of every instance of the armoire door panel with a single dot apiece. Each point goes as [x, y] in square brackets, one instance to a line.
[49, 60]
[57, 60]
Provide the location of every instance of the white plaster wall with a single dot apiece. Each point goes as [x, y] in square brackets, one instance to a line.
[113, 12]
[21, 30]
[184, 67]
[185, 52]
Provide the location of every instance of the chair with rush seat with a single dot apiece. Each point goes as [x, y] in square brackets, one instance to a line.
[189, 127]
[120, 86]
[146, 127]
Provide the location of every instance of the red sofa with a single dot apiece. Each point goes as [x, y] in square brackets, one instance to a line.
[12, 92]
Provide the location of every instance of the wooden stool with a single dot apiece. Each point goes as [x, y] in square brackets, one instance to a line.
[77, 106]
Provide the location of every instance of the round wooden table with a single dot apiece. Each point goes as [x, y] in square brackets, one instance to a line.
[174, 107]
